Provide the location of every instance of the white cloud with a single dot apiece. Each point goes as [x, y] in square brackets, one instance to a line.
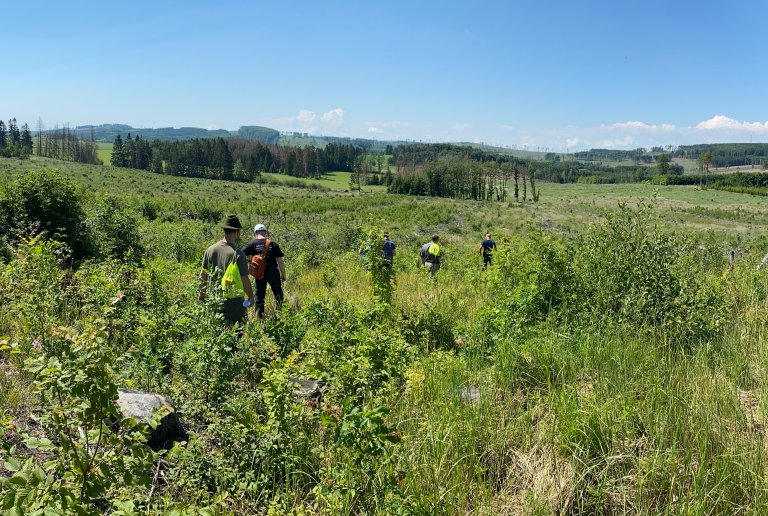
[307, 121]
[333, 117]
[461, 127]
[572, 142]
[625, 142]
[724, 122]
[391, 129]
[639, 126]
[306, 116]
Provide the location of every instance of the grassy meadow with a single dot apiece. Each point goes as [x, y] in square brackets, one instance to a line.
[610, 361]
[104, 152]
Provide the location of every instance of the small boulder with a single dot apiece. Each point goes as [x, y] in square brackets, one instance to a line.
[469, 394]
[307, 388]
[141, 406]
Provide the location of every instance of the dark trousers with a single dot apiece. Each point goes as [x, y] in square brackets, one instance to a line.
[271, 276]
[486, 261]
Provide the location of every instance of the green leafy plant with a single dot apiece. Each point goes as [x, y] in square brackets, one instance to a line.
[94, 452]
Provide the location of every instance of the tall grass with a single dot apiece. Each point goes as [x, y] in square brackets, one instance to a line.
[580, 374]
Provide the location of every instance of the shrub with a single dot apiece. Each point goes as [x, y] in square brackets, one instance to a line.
[115, 231]
[631, 271]
[92, 460]
[45, 201]
[531, 278]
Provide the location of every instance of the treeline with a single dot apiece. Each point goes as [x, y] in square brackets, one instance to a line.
[639, 155]
[66, 145]
[230, 159]
[738, 182]
[470, 179]
[294, 161]
[446, 170]
[458, 179]
[728, 154]
[201, 157]
[15, 142]
[409, 157]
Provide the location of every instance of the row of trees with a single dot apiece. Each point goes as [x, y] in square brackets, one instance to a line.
[133, 153]
[64, 144]
[15, 141]
[727, 154]
[370, 170]
[231, 159]
[469, 179]
[447, 170]
[639, 155]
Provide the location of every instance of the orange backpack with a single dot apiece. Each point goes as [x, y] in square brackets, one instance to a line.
[258, 263]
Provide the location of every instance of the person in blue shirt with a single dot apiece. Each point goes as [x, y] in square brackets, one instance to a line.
[487, 247]
[388, 250]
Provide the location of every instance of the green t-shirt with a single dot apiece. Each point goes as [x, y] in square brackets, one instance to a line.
[221, 254]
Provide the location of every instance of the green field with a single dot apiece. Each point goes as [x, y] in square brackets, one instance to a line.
[105, 152]
[610, 361]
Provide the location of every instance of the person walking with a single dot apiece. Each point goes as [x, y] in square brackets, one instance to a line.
[226, 265]
[431, 254]
[388, 251]
[274, 273]
[487, 247]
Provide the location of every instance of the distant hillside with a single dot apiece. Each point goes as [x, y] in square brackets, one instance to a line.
[107, 133]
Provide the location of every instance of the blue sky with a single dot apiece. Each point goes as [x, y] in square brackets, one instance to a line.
[539, 75]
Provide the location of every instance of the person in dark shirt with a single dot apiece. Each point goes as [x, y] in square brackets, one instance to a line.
[487, 247]
[388, 250]
[274, 273]
[431, 255]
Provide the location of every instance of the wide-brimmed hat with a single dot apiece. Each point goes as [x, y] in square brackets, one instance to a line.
[231, 222]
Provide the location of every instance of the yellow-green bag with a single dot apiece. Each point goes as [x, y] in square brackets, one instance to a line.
[232, 282]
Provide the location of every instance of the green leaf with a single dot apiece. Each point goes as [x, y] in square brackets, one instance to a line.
[11, 464]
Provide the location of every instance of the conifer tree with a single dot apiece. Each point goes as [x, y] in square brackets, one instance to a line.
[26, 140]
[14, 135]
[3, 136]
[117, 152]
[128, 152]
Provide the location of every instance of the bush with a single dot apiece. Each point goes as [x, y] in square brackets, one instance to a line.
[531, 278]
[632, 272]
[45, 201]
[93, 463]
[116, 231]
[626, 271]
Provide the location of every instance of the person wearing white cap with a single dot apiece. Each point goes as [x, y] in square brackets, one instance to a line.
[274, 273]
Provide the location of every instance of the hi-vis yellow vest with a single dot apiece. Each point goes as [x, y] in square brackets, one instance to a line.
[232, 282]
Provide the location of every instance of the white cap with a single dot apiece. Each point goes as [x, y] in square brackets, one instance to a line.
[259, 227]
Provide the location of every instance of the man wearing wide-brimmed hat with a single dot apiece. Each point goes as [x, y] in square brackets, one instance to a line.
[218, 258]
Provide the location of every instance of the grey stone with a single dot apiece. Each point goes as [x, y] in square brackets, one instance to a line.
[141, 406]
[307, 387]
[469, 394]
